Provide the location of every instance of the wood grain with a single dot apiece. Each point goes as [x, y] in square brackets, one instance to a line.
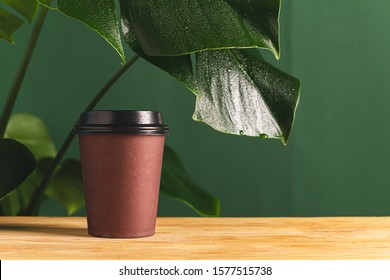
[201, 238]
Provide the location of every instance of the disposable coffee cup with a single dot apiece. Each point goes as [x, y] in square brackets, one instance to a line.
[121, 159]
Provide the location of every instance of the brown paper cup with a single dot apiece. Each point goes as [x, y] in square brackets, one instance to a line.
[121, 167]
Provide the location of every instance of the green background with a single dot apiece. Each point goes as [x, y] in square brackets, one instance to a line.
[338, 157]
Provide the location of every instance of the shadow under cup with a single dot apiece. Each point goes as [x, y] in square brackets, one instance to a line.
[121, 158]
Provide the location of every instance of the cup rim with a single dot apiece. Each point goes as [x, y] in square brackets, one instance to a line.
[121, 122]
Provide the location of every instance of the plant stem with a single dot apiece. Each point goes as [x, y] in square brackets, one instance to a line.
[14, 91]
[33, 203]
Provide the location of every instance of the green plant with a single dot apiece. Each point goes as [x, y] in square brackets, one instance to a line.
[209, 46]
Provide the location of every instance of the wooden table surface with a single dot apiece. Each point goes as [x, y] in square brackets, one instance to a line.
[201, 238]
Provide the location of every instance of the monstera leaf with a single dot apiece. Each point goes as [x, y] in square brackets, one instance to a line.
[67, 187]
[242, 94]
[237, 91]
[27, 139]
[166, 28]
[33, 134]
[99, 15]
[16, 162]
[20, 197]
[11, 21]
[177, 184]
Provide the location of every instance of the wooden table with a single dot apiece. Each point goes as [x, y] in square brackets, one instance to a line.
[201, 238]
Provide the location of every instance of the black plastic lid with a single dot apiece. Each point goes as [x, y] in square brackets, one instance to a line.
[121, 122]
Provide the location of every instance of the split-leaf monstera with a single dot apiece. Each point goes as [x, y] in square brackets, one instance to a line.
[211, 47]
[237, 92]
[16, 162]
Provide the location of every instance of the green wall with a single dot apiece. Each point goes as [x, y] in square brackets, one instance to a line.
[341, 157]
[337, 159]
